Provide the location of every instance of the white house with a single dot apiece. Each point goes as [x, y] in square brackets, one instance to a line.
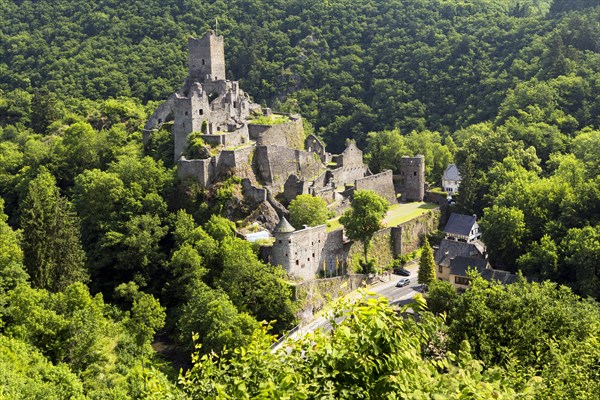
[451, 179]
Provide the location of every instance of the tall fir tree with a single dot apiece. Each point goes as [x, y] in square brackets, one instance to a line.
[426, 265]
[52, 247]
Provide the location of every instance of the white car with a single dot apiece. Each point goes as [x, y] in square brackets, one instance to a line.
[403, 282]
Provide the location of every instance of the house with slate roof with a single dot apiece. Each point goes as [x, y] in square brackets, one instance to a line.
[451, 179]
[462, 250]
[463, 228]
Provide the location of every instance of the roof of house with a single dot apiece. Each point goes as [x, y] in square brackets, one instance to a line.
[460, 224]
[504, 277]
[284, 226]
[451, 173]
[450, 249]
[460, 265]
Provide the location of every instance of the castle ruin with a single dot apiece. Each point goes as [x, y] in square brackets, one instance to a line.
[272, 155]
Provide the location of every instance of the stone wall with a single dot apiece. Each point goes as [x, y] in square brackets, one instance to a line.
[381, 248]
[350, 174]
[381, 184]
[315, 145]
[410, 234]
[201, 170]
[396, 241]
[274, 164]
[253, 195]
[162, 113]
[299, 252]
[289, 134]
[314, 295]
[228, 139]
[293, 187]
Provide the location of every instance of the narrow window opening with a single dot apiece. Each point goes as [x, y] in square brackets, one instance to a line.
[203, 61]
[201, 111]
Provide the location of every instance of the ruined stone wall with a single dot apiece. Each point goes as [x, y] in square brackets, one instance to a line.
[293, 187]
[159, 116]
[253, 195]
[274, 164]
[201, 170]
[314, 295]
[243, 163]
[315, 145]
[409, 235]
[227, 139]
[333, 250]
[381, 184]
[289, 134]
[351, 157]
[381, 248]
[348, 174]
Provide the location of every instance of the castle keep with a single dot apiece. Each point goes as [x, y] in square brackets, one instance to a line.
[273, 156]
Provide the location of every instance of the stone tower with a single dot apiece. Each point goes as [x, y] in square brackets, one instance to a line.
[283, 250]
[206, 58]
[413, 178]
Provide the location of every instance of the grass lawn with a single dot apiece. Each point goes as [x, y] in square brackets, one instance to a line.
[400, 213]
[333, 224]
[397, 214]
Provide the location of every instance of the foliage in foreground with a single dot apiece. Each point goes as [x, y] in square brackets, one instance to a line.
[373, 353]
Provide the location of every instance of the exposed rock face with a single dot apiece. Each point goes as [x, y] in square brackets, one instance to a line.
[265, 215]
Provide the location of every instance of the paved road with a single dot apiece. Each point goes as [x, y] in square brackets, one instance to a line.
[387, 289]
[396, 294]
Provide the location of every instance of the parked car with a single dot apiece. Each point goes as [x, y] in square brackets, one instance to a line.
[403, 282]
[401, 271]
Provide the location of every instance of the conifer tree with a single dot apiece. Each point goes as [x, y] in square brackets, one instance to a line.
[426, 265]
[52, 247]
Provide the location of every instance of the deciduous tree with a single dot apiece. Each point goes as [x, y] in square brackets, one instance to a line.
[365, 217]
[309, 210]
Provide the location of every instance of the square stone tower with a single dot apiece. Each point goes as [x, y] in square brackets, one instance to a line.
[206, 58]
[413, 178]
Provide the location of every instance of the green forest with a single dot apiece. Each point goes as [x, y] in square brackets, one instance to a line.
[114, 274]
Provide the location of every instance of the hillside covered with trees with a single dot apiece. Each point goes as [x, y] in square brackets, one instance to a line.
[102, 247]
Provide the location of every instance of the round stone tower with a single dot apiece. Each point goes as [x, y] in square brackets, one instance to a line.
[413, 178]
[283, 246]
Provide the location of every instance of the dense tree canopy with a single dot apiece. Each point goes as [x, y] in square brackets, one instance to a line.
[508, 90]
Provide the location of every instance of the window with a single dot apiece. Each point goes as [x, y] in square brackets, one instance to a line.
[279, 241]
[186, 113]
[203, 61]
[235, 104]
[201, 111]
[297, 262]
[461, 280]
[440, 269]
[415, 173]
